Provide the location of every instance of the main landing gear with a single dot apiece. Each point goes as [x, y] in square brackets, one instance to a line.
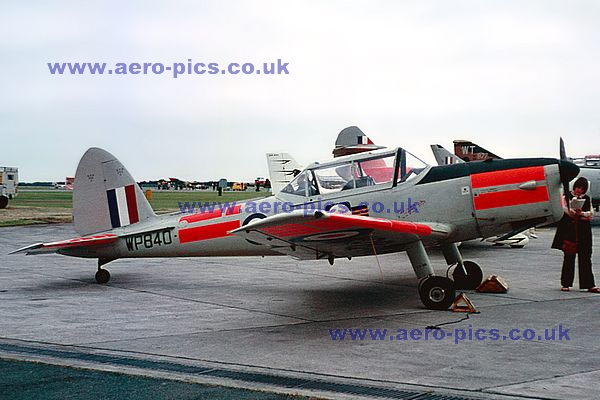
[438, 292]
[467, 275]
[102, 275]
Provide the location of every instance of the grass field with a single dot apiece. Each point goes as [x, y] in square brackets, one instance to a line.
[54, 206]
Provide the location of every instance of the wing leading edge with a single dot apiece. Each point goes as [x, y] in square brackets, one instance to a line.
[321, 235]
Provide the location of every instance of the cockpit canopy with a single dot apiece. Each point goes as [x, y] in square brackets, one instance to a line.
[354, 172]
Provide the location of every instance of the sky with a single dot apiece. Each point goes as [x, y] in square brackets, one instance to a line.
[512, 76]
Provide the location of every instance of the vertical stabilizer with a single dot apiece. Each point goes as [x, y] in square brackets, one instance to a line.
[281, 170]
[352, 140]
[443, 156]
[469, 151]
[105, 195]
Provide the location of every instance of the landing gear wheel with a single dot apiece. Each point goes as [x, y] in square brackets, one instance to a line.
[437, 292]
[102, 276]
[471, 280]
[3, 201]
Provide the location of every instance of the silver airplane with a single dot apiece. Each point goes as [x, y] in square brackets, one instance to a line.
[370, 203]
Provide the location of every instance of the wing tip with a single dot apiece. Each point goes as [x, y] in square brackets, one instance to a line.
[26, 249]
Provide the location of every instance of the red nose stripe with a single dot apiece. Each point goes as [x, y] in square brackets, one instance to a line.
[507, 177]
[510, 198]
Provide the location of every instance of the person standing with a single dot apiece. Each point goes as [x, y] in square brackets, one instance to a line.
[574, 237]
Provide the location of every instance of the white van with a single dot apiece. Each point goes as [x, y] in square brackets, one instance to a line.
[9, 182]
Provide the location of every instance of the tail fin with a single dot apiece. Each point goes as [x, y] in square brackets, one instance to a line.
[443, 156]
[281, 170]
[469, 151]
[105, 195]
[352, 140]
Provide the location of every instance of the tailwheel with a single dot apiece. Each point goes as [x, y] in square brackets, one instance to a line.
[437, 292]
[102, 276]
[472, 279]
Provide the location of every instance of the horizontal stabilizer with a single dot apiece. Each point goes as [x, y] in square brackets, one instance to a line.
[56, 247]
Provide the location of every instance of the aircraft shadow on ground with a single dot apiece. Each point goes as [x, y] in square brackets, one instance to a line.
[82, 281]
[351, 296]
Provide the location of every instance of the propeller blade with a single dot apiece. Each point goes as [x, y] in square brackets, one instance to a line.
[563, 152]
[568, 171]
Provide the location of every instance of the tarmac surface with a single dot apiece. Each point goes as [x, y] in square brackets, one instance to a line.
[264, 323]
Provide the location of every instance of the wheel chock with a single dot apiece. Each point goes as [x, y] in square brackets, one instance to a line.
[493, 284]
[463, 304]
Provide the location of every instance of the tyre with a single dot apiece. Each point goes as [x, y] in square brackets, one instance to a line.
[469, 281]
[437, 292]
[102, 276]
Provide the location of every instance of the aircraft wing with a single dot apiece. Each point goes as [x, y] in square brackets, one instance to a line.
[322, 235]
[55, 247]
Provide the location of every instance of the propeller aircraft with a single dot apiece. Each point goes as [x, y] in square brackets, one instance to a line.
[373, 202]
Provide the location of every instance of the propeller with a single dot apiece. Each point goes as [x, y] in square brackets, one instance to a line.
[568, 171]
[563, 152]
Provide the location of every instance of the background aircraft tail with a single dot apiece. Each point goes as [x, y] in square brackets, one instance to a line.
[105, 195]
[469, 151]
[352, 140]
[281, 170]
[443, 156]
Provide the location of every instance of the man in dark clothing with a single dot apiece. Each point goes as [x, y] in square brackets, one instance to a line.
[574, 238]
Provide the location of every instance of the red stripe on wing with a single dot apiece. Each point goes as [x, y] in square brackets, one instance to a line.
[339, 222]
[288, 230]
[379, 224]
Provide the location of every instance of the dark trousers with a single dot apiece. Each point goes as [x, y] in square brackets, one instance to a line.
[586, 277]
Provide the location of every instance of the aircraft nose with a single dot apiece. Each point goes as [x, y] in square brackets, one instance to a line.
[568, 170]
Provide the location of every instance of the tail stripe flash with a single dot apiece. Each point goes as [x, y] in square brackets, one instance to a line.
[122, 206]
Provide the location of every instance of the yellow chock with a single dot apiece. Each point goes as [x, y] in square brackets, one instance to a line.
[463, 304]
[493, 284]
